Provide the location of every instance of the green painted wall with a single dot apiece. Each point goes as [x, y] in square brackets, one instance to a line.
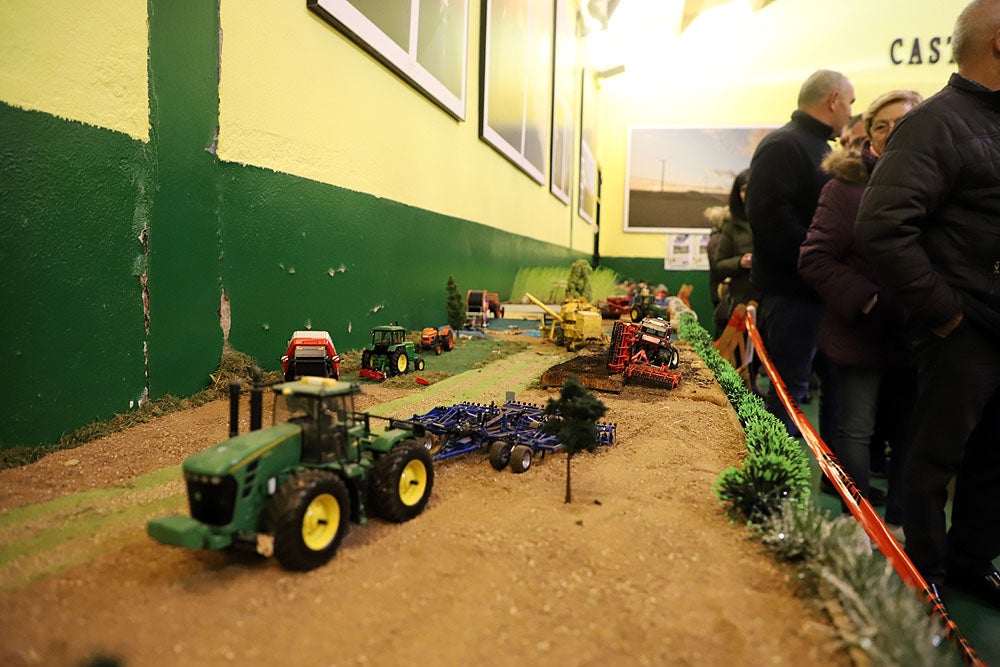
[88, 212]
[71, 208]
[651, 270]
[300, 254]
[185, 339]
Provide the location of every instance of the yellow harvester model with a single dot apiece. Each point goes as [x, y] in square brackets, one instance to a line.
[577, 323]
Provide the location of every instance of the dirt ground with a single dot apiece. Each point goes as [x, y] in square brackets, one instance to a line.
[642, 568]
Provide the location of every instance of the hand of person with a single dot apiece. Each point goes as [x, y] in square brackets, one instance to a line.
[949, 326]
[746, 260]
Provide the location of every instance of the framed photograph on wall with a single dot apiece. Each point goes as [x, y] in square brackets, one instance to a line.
[564, 78]
[673, 174]
[587, 192]
[516, 81]
[425, 42]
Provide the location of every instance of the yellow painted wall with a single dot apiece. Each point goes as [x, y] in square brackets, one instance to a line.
[733, 66]
[297, 96]
[83, 60]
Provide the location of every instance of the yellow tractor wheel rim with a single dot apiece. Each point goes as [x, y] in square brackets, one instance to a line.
[412, 483]
[321, 522]
[401, 363]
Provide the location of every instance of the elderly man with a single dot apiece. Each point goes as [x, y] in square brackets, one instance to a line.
[930, 220]
[784, 186]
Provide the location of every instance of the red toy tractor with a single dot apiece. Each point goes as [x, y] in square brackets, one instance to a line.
[310, 353]
[442, 338]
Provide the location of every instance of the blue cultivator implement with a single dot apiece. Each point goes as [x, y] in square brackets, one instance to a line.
[512, 432]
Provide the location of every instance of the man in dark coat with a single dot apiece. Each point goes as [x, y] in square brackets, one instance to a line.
[784, 186]
[930, 222]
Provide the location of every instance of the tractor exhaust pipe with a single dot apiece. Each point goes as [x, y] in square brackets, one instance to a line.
[234, 409]
[256, 400]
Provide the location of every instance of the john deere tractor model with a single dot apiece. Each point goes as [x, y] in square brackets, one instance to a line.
[390, 354]
[292, 489]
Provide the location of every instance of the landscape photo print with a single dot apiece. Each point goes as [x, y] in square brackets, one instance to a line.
[675, 173]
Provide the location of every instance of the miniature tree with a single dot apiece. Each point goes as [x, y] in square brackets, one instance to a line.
[573, 420]
[578, 283]
[455, 307]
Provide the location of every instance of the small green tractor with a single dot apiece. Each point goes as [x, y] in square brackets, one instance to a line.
[291, 490]
[390, 354]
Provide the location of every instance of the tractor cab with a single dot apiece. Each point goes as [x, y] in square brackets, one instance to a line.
[384, 338]
[324, 409]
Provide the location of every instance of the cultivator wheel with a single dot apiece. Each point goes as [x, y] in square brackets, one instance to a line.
[402, 481]
[520, 459]
[499, 454]
[309, 518]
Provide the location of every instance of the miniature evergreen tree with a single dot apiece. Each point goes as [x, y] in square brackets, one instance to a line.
[578, 283]
[573, 420]
[455, 306]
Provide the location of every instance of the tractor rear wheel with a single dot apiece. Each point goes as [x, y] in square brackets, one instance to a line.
[399, 362]
[402, 480]
[520, 458]
[308, 518]
[499, 454]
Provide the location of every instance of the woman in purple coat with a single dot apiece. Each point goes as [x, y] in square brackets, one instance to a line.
[862, 328]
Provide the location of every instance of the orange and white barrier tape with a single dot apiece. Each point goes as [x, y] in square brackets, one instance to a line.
[859, 507]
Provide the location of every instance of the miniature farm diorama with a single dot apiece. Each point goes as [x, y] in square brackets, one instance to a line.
[641, 567]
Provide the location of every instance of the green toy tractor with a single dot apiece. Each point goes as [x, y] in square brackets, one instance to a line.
[291, 490]
[390, 354]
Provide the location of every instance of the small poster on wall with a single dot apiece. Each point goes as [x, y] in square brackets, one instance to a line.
[687, 251]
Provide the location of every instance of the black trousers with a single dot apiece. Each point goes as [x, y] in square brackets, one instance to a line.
[956, 433]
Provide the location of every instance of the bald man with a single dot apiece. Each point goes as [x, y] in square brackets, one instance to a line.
[784, 186]
[930, 220]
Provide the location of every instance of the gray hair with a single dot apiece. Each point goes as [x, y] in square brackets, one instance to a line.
[820, 84]
[884, 100]
[977, 23]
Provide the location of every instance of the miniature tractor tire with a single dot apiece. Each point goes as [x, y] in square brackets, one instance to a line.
[520, 459]
[670, 357]
[400, 362]
[500, 454]
[402, 480]
[636, 313]
[366, 359]
[437, 349]
[419, 365]
[309, 517]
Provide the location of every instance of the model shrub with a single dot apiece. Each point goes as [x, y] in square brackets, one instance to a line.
[455, 305]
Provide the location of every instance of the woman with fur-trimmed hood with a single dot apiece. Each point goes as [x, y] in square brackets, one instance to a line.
[862, 328]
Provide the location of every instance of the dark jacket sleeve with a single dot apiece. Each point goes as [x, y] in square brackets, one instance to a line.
[772, 194]
[727, 262]
[823, 259]
[907, 185]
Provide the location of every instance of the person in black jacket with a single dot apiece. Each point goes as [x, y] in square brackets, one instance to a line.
[784, 186]
[929, 221]
[862, 339]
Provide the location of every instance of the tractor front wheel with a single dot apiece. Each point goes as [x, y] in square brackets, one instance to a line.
[308, 518]
[419, 365]
[520, 459]
[635, 313]
[366, 359]
[402, 480]
[499, 454]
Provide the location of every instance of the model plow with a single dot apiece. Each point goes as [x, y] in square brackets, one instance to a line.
[512, 432]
